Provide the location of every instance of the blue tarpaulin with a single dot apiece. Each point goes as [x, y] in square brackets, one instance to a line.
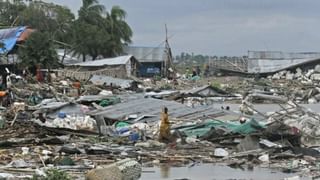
[9, 37]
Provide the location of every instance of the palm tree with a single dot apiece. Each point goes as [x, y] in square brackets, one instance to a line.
[99, 33]
[90, 16]
[91, 11]
[118, 29]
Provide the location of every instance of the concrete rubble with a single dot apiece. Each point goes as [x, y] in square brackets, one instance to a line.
[109, 127]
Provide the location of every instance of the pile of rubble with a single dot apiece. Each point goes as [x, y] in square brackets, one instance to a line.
[299, 86]
[95, 129]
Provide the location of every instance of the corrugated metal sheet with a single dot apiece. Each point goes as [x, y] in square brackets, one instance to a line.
[266, 61]
[269, 66]
[68, 57]
[236, 65]
[206, 91]
[91, 98]
[147, 54]
[153, 107]
[121, 60]
[282, 55]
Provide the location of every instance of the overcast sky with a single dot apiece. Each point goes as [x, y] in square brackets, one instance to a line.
[221, 27]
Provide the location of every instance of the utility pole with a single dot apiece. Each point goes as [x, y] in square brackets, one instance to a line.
[169, 61]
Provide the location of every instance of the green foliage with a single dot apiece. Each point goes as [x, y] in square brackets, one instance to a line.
[53, 174]
[38, 50]
[95, 32]
[50, 18]
[35, 17]
[99, 33]
[45, 17]
[10, 11]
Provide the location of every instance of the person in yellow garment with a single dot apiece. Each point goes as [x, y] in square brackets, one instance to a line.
[165, 135]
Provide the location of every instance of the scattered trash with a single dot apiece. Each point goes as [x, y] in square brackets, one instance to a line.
[50, 125]
[264, 158]
[6, 175]
[25, 150]
[20, 163]
[219, 152]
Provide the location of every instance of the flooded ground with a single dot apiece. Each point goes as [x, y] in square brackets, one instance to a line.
[223, 172]
[213, 172]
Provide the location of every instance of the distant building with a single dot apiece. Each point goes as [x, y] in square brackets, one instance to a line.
[153, 60]
[265, 62]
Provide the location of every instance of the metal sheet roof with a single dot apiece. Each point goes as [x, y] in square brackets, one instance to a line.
[105, 62]
[9, 38]
[153, 107]
[273, 61]
[282, 55]
[206, 90]
[147, 54]
[69, 58]
[92, 98]
[267, 66]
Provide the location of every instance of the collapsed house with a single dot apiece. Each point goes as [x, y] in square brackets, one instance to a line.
[12, 36]
[265, 62]
[118, 67]
[153, 60]
[9, 39]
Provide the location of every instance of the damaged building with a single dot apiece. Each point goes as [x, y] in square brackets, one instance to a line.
[153, 60]
[118, 67]
[9, 39]
[265, 62]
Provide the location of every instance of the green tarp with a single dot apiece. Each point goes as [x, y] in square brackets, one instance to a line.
[110, 101]
[231, 127]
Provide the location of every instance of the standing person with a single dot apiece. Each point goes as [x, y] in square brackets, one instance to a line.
[77, 85]
[206, 70]
[194, 72]
[165, 135]
[165, 131]
[39, 74]
[198, 71]
[3, 97]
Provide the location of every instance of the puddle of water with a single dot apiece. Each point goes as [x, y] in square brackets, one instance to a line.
[211, 172]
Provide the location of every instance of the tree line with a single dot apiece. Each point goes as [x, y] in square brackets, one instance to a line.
[94, 32]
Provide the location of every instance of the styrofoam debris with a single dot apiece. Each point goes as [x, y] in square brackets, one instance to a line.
[220, 152]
